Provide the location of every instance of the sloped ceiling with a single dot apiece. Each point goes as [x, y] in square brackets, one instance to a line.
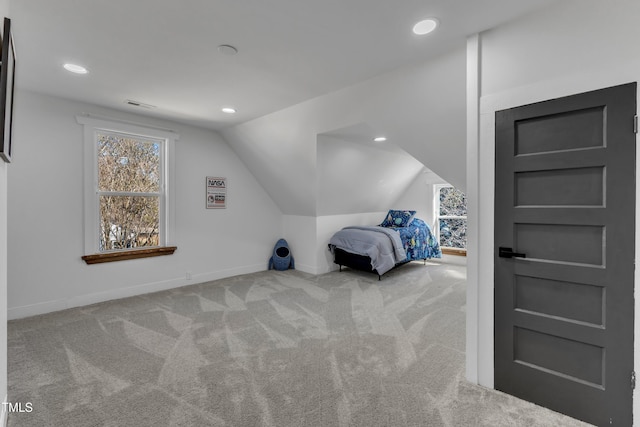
[303, 68]
[358, 175]
[164, 52]
[420, 109]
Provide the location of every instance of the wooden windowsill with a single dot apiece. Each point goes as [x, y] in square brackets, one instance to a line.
[132, 254]
[454, 251]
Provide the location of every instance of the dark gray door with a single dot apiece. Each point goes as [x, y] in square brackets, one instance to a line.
[565, 199]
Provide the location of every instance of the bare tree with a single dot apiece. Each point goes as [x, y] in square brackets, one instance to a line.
[129, 191]
[453, 228]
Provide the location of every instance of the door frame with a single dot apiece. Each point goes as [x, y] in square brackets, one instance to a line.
[481, 195]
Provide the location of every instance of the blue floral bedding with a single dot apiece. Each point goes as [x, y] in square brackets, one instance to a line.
[418, 241]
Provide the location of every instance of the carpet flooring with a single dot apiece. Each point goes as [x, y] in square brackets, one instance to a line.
[276, 348]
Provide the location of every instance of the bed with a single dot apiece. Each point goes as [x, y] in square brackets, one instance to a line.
[400, 238]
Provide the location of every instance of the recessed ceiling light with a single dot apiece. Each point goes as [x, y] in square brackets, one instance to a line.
[74, 68]
[380, 139]
[228, 110]
[425, 26]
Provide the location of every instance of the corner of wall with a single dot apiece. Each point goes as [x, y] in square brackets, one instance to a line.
[4, 11]
[3, 285]
[473, 209]
[300, 233]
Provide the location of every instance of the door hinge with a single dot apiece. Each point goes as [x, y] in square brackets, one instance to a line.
[635, 124]
[633, 380]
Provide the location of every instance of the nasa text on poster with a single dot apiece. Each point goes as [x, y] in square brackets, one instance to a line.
[216, 192]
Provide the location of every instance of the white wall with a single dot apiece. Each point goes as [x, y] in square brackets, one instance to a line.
[45, 214]
[300, 234]
[4, 168]
[571, 47]
[3, 285]
[356, 177]
[419, 196]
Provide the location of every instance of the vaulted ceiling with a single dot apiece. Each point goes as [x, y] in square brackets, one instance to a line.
[165, 53]
[304, 71]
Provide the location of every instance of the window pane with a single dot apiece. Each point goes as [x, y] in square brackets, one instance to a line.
[453, 233]
[128, 222]
[128, 164]
[452, 202]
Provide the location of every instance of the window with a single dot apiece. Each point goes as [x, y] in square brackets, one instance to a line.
[451, 215]
[127, 190]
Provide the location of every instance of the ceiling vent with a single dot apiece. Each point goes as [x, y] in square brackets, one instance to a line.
[139, 104]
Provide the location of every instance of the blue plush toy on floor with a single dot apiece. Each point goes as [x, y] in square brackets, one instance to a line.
[281, 258]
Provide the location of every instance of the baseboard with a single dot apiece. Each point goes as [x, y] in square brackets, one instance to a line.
[454, 259]
[222, 274]
[308, 269]
[65, 303]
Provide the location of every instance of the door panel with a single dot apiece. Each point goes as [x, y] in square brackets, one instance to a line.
[566, 300]
[570, 243]
[560, 187]
[565, 197]
[547, 352]
[562, 131]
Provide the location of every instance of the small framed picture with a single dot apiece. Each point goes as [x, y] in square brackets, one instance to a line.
[216, 192]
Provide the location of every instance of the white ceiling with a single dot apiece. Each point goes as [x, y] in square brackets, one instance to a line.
[164, 52]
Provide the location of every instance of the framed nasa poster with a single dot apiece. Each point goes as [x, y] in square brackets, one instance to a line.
[216, 192]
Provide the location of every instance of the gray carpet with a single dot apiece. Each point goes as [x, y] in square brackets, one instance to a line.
[265, 349]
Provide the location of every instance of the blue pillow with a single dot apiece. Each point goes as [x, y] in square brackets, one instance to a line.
[398, 218]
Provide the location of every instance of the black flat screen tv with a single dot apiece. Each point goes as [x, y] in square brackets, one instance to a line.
[7, 74]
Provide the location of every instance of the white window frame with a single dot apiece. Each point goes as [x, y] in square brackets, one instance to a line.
[94, 125]
[437, 216]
